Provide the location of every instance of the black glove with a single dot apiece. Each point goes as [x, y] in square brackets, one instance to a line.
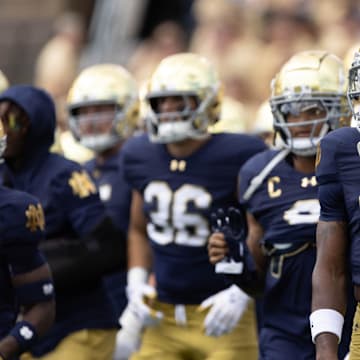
[232, 224]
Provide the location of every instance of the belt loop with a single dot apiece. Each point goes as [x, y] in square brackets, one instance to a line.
[276, 265]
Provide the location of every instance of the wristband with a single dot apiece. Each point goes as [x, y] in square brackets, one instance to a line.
[326, 320]
[137, 275]
[25, 334]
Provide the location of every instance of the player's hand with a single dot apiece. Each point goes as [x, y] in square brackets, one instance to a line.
[217, 247]
[232, 225]
[140, 299]
[226, 310]
[128, 338]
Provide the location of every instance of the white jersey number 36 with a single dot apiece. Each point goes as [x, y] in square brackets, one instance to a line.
[172, 221]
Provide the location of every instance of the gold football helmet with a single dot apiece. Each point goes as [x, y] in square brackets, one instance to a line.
[4, 83]
[103, 84]
[309, 79]
[184, 75]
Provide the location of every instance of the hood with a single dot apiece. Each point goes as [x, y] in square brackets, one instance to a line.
[40, 109]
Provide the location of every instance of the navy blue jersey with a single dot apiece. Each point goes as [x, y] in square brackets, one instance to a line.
[71, 204]
[68, 195]
[285, 204]
[116, 195]
[338, 174]
[113, 189]
[179, 195]
[72, 208]
[21, 229]
[287, 208]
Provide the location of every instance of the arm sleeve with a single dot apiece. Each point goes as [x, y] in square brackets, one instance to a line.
[331, 196]
[78, 196]
[96, 247]
[24, 220]
[332, 206]
[78, 263]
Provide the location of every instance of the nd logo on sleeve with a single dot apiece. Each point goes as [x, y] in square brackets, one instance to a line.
[81, 184]
[35, 218]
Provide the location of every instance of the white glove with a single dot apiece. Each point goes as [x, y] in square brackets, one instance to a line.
[128, 339]
[137, 304]
[139, 293]
[227, 308]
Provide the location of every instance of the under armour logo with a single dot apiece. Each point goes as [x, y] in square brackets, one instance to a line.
[177, 165]
[305, 182]
[26, 332]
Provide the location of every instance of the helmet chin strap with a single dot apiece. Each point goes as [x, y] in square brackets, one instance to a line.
[176, 131]
[304, 146]
[99, 143]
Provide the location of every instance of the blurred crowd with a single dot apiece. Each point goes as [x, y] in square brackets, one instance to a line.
[247, 41]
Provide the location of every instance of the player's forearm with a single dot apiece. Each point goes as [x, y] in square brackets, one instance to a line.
[329, 284]
[39, 317]
[329, 288]
[329, 279]
[8, 347]
[139, 251]
[80, 262]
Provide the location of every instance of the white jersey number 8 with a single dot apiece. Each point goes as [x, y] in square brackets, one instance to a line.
[303, 212]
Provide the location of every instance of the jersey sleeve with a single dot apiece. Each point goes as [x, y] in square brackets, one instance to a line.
[326, 165]
[23, 229]
[332, 205]
[331, 198]
[133, 161]
[78, 195]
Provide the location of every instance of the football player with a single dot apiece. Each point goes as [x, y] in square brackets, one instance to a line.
[26, 287]
[279, 191]
[180, 174]
[81, 244]
[338, 231]
[104, 110]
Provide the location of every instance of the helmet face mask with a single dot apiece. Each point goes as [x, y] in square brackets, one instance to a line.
[95, 129]
[353, 92]
[111, 92]
[312, 87]
[191, 80]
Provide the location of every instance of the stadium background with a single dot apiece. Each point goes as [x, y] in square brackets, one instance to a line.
[247, 40]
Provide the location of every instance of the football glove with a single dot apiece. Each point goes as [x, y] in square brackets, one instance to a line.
[139, 304]
[233, 225]
[128, 338]
[225, 310]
